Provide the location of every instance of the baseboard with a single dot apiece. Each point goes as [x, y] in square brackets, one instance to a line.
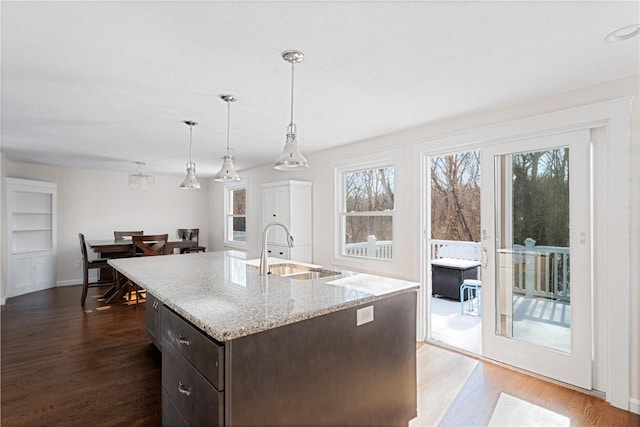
[68, 283]
[634, 406]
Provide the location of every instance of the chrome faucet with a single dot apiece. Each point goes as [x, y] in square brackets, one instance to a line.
[264, 262]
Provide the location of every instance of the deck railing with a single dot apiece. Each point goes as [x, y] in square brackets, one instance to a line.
[534, 270]
[372, 248]
[541, 270]
[455, 249]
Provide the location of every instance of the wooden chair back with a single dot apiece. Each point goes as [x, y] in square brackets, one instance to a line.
[149, 244]
[88, 264]
[189, 234]
[120, 235]
[83, 249]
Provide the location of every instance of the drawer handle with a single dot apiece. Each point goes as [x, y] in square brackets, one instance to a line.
[183, 389]
[184, 340]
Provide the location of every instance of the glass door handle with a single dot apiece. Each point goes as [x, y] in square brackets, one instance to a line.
[485, 257]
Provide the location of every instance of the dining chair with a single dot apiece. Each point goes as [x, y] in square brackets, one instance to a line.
[146, 245]
[149, 244]
[192, 234]
[120, 235]
[87, 265]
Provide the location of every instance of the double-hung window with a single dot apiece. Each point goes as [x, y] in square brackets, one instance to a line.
[235, 225]
[366, 208]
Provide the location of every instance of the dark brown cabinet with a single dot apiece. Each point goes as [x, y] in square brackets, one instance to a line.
[351, 367]
[195, 399]
[153, 320]
[356, 366]
[192, 374]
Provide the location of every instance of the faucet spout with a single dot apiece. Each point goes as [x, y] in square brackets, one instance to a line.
[264, 261]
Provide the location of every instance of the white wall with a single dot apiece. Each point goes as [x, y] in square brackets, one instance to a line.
[408, 243]
[96, 203]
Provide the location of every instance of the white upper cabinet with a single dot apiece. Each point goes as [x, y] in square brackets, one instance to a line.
[288, 202]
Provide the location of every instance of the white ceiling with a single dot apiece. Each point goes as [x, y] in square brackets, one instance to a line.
[102, 84]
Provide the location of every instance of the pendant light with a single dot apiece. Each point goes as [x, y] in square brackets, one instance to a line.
[228, 172]
[291, 157]
[190, 182]
[140, 181]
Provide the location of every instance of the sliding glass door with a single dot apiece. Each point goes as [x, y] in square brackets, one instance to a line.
[536, 230]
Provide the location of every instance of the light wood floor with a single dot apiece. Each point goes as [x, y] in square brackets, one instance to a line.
[458, 390]
[63, 365]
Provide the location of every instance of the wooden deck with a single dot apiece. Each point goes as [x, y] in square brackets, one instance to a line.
[65, 365]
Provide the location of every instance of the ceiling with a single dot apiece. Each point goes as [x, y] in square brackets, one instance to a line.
[103, 84]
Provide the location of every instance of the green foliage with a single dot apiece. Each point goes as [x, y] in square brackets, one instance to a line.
[541, 197]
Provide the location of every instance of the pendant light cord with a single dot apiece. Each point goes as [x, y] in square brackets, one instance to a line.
[228, 124]
[292, 76]
[190, 141]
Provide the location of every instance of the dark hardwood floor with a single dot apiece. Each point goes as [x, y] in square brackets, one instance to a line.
[64, 365]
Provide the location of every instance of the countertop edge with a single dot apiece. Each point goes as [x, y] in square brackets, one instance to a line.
[231, 335]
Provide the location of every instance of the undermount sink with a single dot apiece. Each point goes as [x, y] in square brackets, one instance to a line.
[287, 269]
[300, 272]
[309, 275]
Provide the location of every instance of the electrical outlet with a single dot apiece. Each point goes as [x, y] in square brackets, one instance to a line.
[78, 264]
[364, 315]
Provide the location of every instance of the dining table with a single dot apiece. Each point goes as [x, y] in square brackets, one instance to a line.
[123, 248]
[110, 246]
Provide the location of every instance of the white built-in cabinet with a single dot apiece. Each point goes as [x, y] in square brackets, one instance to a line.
[31, 235]
[288, 202]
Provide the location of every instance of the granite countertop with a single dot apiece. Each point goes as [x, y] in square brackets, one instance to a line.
[224, 294]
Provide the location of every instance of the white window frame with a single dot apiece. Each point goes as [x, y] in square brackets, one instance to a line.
[391, 158]
[229, 188]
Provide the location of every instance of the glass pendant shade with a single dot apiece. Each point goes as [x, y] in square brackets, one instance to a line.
[190, 182]
[227, 172]
[141, 181]
[291, 157]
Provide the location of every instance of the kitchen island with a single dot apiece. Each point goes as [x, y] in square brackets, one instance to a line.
[243, 349]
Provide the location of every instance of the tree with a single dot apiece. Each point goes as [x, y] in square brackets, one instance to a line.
[541, 197]
[455, 197]
[370, 190]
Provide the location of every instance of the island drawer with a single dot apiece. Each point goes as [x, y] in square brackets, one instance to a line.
[171, 417]
[195, 399]
[203, 352]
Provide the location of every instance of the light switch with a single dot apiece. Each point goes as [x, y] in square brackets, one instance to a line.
[364, 315]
